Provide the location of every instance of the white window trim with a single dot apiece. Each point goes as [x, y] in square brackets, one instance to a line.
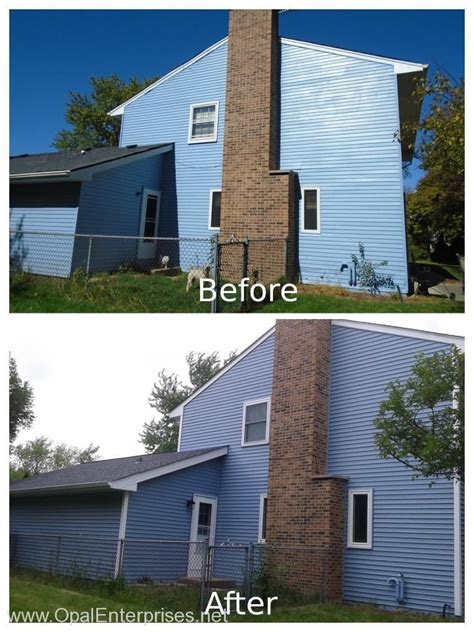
[318, 211]
[350, 515]
[261, 540]
[203, 139]
[251, 402]
[211, 195]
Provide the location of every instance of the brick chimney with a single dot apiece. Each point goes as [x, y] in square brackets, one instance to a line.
[258, 201]
[305, 503]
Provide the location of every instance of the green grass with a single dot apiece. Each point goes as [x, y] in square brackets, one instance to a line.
[32, 591]
[127, 292]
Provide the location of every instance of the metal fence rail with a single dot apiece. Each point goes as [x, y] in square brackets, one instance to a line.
[251, 569]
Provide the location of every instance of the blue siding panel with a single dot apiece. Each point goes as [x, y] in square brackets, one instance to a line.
[43, 254]
[88, 526]
[109, 205]
[161, 116]
[158, 511]
[412, 522]
[338, 120]
[214, 419]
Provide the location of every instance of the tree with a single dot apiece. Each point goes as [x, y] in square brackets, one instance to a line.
[169, 392]
[87, 114]
[421, 423]
[21, 402]
[435, 210]
[40, 455]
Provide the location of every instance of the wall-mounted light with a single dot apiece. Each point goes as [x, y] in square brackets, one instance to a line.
[190, 503]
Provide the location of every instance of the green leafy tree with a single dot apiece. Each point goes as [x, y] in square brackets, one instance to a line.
[161, 435]
[41, 455]
[435, 210]
[87, 114]
[21, 402]
[421, 423]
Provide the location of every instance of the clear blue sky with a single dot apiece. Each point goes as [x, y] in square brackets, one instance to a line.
[53, 52]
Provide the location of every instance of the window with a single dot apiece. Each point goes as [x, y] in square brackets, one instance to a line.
[310, 203]
[203, 122]
[151, 216]
[262, 519]
[215, 210]
[256, 422]
[359, 528]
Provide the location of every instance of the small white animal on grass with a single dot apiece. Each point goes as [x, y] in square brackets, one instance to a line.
[164, 261]
[195, 274]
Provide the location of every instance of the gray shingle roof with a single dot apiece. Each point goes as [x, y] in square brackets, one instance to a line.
[102, 471]
[74, 160]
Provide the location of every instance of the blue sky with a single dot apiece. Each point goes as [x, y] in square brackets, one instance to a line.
[53, 52]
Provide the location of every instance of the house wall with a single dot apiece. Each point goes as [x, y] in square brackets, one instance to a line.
[214, 419]
[162, 115]
[339, 116]
[158, 511]
[49, 255]
[88, 527]
[109, 205]
[412, 521]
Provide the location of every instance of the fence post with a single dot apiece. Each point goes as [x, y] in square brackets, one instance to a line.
[58, 552]
[249, 582]
[204, 574]
[216, 273]
[89, 251]
[245, 270]
[325, 577]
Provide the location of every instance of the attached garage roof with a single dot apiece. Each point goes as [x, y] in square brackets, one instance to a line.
[67, 164]
[124, 473]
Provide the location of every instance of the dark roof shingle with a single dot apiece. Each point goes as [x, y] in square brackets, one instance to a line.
[74, 160]
[102, 471]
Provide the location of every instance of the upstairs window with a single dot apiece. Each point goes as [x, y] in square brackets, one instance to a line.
[203, 122]
[215, 210]
[310, 213]
[359, 528]
[256, 422]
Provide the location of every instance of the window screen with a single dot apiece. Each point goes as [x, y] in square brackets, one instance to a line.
[216, 209]
[360, 518]
[255, 422]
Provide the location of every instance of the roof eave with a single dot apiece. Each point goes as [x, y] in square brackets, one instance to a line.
[59, 489]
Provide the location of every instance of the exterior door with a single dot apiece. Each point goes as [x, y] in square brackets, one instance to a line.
[149, 219]
[203, 527]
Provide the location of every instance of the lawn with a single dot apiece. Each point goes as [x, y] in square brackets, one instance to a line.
[128, 292]
[33, 591]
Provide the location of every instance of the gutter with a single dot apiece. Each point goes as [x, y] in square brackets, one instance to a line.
[32, 491]
[40, 174]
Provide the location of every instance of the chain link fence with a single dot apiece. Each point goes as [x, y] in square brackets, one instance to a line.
[288, 572]
[54, 254]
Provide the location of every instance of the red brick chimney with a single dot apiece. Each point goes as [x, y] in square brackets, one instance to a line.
[305, 504]
[258, 201]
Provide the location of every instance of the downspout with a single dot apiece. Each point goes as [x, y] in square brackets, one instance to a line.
[121, 534]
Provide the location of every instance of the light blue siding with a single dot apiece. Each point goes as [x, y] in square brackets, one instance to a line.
[412, 522]
[158, 511]
[48, 255]
[162, 115]
[74, 534]
[110, 204]
[339, 117]
[214, 418]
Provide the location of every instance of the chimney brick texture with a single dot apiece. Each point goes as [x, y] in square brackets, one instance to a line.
[256, 202]
[305, 504]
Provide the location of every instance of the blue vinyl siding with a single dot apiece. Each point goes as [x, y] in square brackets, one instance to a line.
[158, 511]
[162, 115]
[412, 522]
[37, 524]
[48, 255]
[214, 418]
[338, 120]
[110, 204]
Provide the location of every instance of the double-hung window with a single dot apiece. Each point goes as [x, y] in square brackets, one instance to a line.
[359, 528]
[310, 210]
[203, 122]
[256, 422]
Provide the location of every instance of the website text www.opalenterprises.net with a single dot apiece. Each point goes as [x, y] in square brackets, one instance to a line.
[105, 615]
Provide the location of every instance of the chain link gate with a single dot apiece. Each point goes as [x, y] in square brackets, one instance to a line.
[226, 567]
